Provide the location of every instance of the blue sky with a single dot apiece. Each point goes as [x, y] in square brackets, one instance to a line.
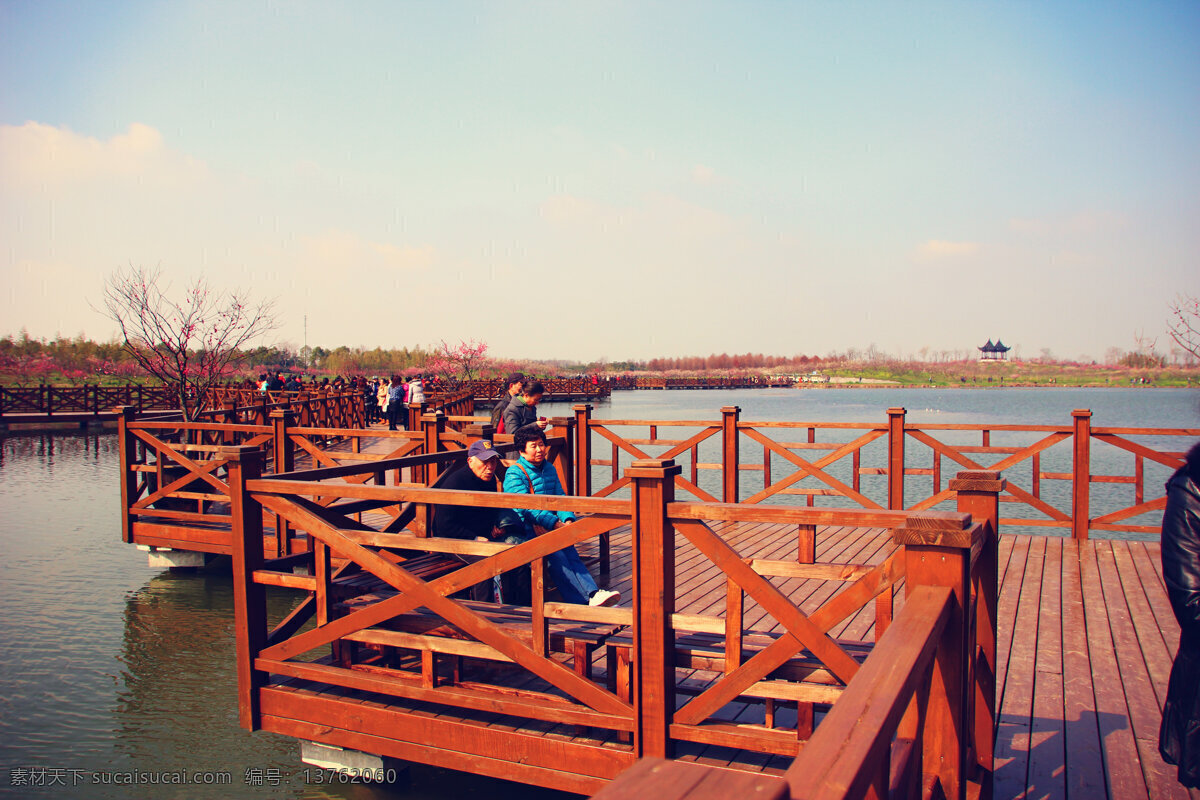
[613, 180]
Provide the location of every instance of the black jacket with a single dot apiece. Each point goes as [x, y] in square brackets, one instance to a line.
[498, 412]
[464, 522]
[1179, 737]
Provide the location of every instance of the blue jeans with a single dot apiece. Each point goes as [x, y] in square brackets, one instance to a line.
[567, 570]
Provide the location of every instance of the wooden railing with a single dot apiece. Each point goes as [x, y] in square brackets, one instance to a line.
[927, 691]
[343, 410]
[50, 400]
[557, 389]
[705, 382]
[878, 465]
[174, 493]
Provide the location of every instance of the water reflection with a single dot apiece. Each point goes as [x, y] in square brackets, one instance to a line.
[177, 660]
[111, 669]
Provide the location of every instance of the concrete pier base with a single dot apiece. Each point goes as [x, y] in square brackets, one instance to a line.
[166, 558]
[354, 762]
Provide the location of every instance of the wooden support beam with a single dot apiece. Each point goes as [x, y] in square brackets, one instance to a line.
[729, 449]
[979, 495]
[896, 458]
[249, 597]
[653, 604]
[1081, 474]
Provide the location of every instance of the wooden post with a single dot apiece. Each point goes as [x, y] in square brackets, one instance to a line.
[896, 458]
[1081, 474]
[653, 604]
[432, 427]
[415, 412]
[285, 461]
[730, 470]
[284, 448]
[583, 478]
[806, 544]
[564, 460]
[979, 495]
[583, 450]
[229, 418]
[127, 443]
[483, 431]
[942, 557]
[249, 598]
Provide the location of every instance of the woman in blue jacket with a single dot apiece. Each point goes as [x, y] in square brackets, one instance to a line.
[533, 474]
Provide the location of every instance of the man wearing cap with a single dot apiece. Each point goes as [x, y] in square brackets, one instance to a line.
[513, 382]
[471, 522]
[478, 475]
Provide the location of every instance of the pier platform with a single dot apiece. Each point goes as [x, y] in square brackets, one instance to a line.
[1085, 642]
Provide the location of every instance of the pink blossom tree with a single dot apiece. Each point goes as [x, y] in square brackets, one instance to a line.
[189, 344]
[462, 362]
[27, 368]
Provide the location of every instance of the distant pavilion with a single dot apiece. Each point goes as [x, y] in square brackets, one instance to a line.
[994, 352]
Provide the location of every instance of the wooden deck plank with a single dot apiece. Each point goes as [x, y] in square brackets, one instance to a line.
[1149, 634]
[1145, 714]
[1009, 591]
[1047, 739]
[1147, 560]
[1085, 758]
[1015, 717]
[1124, 775]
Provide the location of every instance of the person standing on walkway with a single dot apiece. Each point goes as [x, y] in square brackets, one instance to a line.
[416, 391]
[381, 397]
[395, 401]
[522, 409]
[513, 382]
[1179, 736]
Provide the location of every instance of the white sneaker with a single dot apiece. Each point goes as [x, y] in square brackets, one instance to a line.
[605, 597]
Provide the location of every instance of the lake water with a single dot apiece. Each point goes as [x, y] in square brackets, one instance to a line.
[112, 669]
[1119, 408]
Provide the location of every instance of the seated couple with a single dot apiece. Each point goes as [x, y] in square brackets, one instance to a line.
[532, 473]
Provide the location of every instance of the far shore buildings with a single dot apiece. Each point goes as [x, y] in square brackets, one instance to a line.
[994, 352]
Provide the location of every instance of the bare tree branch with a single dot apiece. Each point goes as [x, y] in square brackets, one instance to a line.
[1184, 323]
[189, 344]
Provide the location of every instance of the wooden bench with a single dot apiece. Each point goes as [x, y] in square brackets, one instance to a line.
[704, 643]
[802, 679]
[431, 636]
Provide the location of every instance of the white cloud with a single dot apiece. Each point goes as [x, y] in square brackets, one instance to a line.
[341, 250]
[656, 217]
[940, 248]
[1084, 223]
[39, 155]
[703, 175]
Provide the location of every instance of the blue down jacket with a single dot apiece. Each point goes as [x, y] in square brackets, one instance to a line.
[544, 481]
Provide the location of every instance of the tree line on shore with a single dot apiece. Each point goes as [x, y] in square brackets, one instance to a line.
[25, 360]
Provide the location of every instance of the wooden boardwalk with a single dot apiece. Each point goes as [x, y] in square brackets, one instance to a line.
[1085, 642]
[1086, 638]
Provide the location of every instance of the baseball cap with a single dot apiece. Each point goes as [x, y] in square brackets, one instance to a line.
[482, 449]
